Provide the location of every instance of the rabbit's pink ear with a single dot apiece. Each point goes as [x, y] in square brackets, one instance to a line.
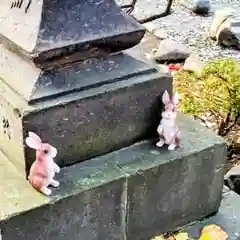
[165, 98]
[34, 136]
[175, 99]
[33, 143]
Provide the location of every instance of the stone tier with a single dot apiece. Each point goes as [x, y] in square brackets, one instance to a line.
[134, 193]
[84, 110]
[54, 29]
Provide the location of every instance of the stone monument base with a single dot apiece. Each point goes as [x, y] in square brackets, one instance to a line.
[84, 110]
[134, 193]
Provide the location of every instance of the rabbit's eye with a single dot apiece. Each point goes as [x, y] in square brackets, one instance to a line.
[45, 151]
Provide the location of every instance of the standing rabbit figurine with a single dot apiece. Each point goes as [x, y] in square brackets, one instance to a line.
[43, 170]
[168, 132]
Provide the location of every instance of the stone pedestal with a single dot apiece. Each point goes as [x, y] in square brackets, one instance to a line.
[63, 77]
[134, 193]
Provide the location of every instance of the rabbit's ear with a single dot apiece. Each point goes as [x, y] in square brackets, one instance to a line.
[34, 136]
[165, 97]
[33, 143]
[175, 99]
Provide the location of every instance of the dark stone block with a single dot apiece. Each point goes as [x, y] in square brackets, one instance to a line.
[57, 28]
[88, 205]
[166, 189]
[227, 218]
[84, 111]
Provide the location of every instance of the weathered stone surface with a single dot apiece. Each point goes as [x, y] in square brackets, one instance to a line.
[227, 218]
[130, 194]
[169, 189]
[86, 110]
[49, 29]
[169, 50]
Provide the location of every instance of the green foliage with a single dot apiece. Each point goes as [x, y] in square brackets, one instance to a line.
[216, 90]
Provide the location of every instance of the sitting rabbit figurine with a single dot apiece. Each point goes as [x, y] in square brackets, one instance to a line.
[168, 132]
[43, 170]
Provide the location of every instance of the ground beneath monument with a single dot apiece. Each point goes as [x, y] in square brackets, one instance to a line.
[186, 27]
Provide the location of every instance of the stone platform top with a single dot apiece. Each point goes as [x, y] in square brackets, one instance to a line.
[17, 196]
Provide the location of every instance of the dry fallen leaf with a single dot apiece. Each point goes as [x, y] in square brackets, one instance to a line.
[160, 237]
[181, 236]
[213, 232]
[171, 238]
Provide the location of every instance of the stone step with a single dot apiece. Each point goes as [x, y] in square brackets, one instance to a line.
[227, 218]
[130, 194]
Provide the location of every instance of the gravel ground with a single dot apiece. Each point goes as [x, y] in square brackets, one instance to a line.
[186, 27]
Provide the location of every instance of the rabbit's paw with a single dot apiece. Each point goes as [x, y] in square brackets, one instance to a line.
[57, 169]
[54, 183]
[46, 191]
[171, 147]
[160, 143]
[160, 129]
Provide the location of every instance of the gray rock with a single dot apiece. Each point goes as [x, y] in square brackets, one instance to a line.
[225, 28]
[169, 50]
[201, 6]
[219, 17]
[228, 34]
[193, 64]
[232, 179]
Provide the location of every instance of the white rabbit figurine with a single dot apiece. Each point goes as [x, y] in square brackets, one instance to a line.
[42, 171]
[168, 132]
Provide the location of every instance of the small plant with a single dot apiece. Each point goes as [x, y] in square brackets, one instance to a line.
[214, 94]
